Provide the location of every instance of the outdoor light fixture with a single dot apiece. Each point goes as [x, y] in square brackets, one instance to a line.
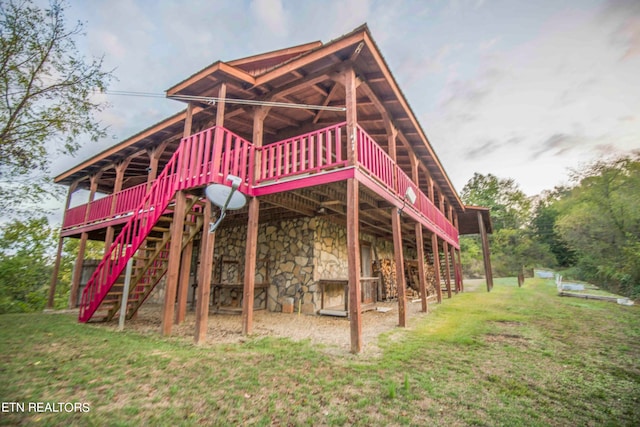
[225, 197]
[410, 195]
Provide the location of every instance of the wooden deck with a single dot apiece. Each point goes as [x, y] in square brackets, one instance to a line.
[308, 160]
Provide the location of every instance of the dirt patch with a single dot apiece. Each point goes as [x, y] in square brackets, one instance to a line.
[331, 333]
[512, 339]
[509, 323]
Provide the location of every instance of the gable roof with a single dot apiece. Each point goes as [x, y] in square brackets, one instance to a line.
[307, 74]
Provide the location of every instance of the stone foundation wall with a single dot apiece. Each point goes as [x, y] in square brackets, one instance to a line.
[292, 256]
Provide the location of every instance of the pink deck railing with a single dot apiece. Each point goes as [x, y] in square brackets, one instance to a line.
[382, 168]
[186, 169]
[305, 154]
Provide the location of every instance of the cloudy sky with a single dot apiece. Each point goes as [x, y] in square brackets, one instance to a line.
[519, 89]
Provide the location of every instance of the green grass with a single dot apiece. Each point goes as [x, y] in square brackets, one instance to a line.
[515, 356]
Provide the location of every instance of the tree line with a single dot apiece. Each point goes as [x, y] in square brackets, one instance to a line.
[588, 230]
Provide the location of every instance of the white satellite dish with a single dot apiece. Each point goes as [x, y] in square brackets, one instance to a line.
[225, 197]
[218, 194]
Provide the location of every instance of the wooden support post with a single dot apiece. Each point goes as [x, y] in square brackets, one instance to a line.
[183, 283]
[207, 246]
[436, 264]
[455, 269]
[154, 158]
[54, 275]
[353, 215]
[421, 272]
[117, 186]
[396, 227]
[353, 264]
[56, 265]
[125, 294]
[419, 238]
[460, 269]
[447, 267]
[486, 254]
[173, 269]
[251, 247]
[250, 266]
[77, 268]
[77, 271]
[352, 115]
[185, 264]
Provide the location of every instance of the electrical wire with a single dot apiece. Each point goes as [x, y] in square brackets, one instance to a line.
[212, 100]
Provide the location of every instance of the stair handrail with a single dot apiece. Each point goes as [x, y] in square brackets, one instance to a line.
[131, 236]
[198, 161]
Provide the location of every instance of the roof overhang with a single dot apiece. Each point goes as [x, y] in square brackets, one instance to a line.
[469, 220]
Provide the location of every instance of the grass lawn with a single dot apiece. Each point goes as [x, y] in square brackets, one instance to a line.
[515, 356]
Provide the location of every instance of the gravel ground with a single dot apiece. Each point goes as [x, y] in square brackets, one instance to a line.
[331, 333]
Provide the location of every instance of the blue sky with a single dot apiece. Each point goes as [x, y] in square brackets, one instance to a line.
[520, 89]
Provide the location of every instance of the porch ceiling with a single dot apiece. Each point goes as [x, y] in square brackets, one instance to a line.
[329, 202]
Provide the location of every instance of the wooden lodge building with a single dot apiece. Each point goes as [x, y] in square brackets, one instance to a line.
[328, 151]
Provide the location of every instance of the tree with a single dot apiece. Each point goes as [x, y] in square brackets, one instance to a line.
[510, 207]
[512, 245]
[599, 220]
[543, 225]
[46, 89]
[25, 264]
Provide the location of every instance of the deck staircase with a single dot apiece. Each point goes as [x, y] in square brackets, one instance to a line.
[201, 159]
[150, 263]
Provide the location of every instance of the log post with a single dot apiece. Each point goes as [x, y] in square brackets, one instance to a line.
[460, 269]
[117, 187]
[183, 282]
[154, 158]
[396, 226]
[207, 245]
[353, 215]
[56, 265]
[421, 272]
[77, 268]
[173, 269]
[251, 248]
[436, 264]
[185, 263]
[486, 254]
[353, 263]
[447, 267]
[419, 239]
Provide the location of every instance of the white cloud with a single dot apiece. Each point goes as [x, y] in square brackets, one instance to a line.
[561, 95]
[271, 14]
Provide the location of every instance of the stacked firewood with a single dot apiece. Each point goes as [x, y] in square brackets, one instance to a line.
[386, 270]
[413, 277]
[430, 278]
